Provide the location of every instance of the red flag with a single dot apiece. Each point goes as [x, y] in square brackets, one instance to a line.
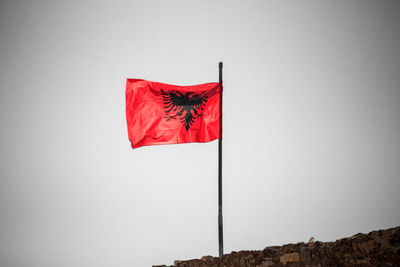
[158, 113]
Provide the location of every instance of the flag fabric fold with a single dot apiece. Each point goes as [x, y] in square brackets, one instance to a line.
[159, 113]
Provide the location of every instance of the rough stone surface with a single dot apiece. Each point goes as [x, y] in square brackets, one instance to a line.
[290, 257]
[378, 248]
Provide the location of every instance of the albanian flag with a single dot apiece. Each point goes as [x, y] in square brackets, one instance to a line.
[159, 113]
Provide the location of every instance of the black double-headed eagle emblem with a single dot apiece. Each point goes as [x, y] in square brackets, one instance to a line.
[187, 106]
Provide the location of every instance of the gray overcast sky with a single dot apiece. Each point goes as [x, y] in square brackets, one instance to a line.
[311, 127]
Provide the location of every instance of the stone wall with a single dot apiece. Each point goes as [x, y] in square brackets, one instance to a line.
[378, 248]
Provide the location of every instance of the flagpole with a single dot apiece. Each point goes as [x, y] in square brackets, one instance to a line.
[220, 228]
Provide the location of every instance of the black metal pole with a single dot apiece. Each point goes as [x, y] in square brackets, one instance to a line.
[220, 228]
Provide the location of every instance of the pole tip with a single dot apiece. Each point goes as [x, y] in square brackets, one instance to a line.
[220, 64]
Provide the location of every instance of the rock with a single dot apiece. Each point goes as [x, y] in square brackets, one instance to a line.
[290, 257]
[305, 254]
[363, 261]
[207, 258]
[267, 262]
